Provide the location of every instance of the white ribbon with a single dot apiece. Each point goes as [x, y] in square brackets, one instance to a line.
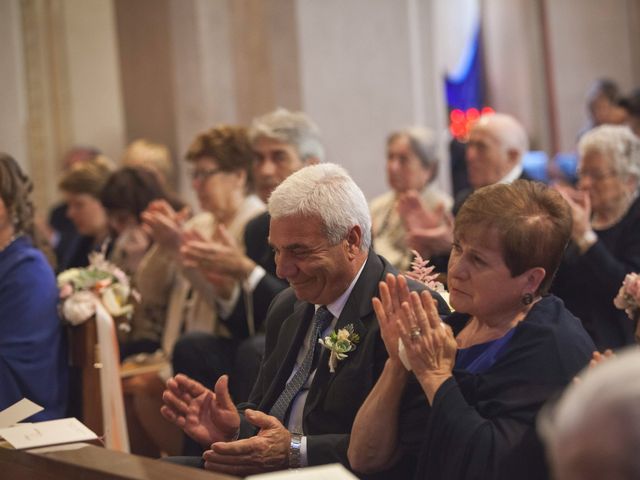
[113, 414]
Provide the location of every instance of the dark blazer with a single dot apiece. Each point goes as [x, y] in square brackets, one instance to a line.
[257, 246]
[481, 425]
[333, 399]
[588, 283]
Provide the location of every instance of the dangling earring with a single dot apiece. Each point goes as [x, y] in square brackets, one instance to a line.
[527, 299]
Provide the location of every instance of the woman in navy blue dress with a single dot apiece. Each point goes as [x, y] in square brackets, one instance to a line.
[481, 374]
[33, 362]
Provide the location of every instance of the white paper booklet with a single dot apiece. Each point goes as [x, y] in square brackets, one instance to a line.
[51, 432]
[18, 411]
[334, 471]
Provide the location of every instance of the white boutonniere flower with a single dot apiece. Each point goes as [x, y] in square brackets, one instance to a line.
[339, 343]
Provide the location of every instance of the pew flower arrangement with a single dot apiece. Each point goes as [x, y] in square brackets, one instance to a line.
[101, 281]
[628, 298]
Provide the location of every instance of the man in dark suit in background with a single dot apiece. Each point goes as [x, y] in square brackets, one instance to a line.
[283, 142]
[494, 151]
[302, 406]
[496, 146]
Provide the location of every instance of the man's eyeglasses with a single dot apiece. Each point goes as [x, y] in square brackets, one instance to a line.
[204, 174]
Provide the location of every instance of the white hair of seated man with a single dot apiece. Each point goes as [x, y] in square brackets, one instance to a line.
[326, 191]
[593, 431]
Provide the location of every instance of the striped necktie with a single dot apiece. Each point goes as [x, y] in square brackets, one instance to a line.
[321, 320]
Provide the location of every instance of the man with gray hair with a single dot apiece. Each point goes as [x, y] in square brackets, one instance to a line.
[593, 432]
[497, 143]
[303, 404]
[282, 142]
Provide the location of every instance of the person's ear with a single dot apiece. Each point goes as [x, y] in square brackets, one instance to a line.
[354, 240]
[532, 279]
[514, 156]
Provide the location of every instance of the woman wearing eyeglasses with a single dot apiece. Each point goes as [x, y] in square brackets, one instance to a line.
[176, 297]
[605, 240]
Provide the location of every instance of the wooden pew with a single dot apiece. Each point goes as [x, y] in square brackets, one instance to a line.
[83, 344]
[90, 462]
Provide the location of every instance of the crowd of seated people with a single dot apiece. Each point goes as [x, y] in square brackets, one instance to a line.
[254, 383]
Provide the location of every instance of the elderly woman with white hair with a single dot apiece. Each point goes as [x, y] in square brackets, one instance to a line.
[605, 238]
[412, 166]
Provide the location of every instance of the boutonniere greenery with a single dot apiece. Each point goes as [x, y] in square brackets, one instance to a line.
[340, 343]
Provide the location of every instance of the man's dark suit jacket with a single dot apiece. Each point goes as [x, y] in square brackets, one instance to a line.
[258, 249]
[334, 398]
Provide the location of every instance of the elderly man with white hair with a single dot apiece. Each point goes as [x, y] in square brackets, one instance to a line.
[496, 145]
[305, 399]
[593, 432]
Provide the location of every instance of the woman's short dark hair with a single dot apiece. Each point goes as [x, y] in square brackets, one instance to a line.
[15, 191]
[131, 189]
[532, 220]
[227, 145]
[87, 177]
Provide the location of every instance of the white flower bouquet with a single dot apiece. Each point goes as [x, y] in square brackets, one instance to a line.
[101, 281]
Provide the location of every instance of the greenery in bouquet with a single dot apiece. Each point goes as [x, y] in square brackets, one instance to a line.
[628, 298]
[101, 281]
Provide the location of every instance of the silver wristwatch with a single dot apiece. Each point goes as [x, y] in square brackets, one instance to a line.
[294, 450]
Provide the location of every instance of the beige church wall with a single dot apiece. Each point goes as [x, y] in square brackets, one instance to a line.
[203, 74]
[95, 96]
[62, 85]
[188, 65]
[146, 70]
[587, 39]
[590, 39]
[514, 65]
[105, 72]
[367, 68]
[13, 119]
